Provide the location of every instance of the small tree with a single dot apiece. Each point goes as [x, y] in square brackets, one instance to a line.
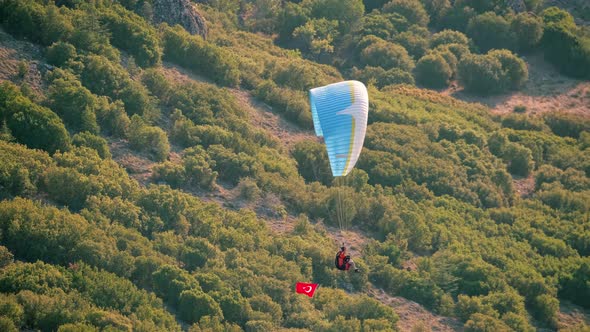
[519, 159]
[448, 37]
[193, 305]
[527, 30]
[412, 10]
[490, 31]
[495, 72]
[415, 44]
[387, 55]
[483, 323]
[94, 142]
[59, 53]
[480, 74]
[433, 71]
[148, 138]
[515, 71]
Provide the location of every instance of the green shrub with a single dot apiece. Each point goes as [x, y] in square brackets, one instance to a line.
[515, 69]
[523, 122]
[248, 189]
[457, 18]
[433, 71]
[377, 24]
[68, 187]
[232, 166]
[415, 44]
[193, 305]
[481, 74]
[563, 45]
[412, 10]
[74, 104]
[23, 117]
[520, 109]
[519, 159]
[103, 77]
[132, 34]
[346, 12]
[490, 31]
[496, 72]
[59, 53]
[546, 309]
[316, 37]
[567, 125]
[446, 37]
[387, 55]
[199, 167]
[527, 30]
[380, 77]
[148, 138]
[157, 84]
[483, 323]
[112, 118]
[200, 56]
[293, 104]
[41, 24]
[89, 140]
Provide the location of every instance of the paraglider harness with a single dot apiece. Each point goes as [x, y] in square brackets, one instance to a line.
[344, 266]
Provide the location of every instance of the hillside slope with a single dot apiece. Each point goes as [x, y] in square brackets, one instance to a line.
[152, 180]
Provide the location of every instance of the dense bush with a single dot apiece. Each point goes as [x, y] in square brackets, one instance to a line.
[490, 31]
[563, 44]
[31, 124]
[527, 30]
[73, 103]
[567, 125]
[445, 37]
[346, 12]
[380, 77]
[293, 104]
[132, 34]
[412, 10]
[42, 24]
[495, 72]
[414, 43]
[387, 55]
[94, 142]
[433, 71]
[200, 56]
[59, 53]
[153, 140]
[106, 78]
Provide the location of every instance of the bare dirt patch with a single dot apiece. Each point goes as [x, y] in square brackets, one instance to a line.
[524, 187]
[414, 316]
[12, 53]
[572, 316]
[138, 165]
[263, 116]
[546, 90]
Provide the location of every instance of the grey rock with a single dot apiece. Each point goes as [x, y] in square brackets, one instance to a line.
[180, 12]
[518, 6]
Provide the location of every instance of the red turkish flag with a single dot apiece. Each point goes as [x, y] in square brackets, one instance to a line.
[305, 288]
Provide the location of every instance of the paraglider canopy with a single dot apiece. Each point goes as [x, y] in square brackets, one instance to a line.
[340, 112]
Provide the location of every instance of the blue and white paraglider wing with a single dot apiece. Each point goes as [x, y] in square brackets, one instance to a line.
[339, 113]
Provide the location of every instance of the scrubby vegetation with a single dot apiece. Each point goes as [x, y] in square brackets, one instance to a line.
[84, 246]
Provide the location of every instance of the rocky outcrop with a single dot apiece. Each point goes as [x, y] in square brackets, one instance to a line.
[518, 6]
[180, 12]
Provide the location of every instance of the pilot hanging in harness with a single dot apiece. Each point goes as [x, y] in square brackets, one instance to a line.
[343, 261]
